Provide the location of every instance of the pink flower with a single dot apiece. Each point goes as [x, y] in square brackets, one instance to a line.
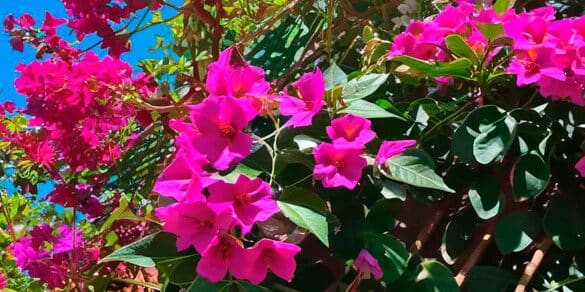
[351, 129]
[224, 253]
[220, 122]
[51, 23]
[182, 179]
[250, 200]
[26, 21]
[391, 148]
[366, 264]
[231, 75]
[203, 223]
[580, 166]
[2, 281]
[338, 166]
[276, 256]
[311, 90]
[9, 22]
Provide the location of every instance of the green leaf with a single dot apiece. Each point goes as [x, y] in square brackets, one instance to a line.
[486, 198]
[306, 142]
[564, 222]
[462, 140]
[363, 86]
[502, 5]
[516, 231]
[334, 76]
[531, 176]
[393, 190]
[488, 279]
[390, 253]
[379, 218]
[459, 68]
[491, 30]
[240, 169]
[311, 220]
[460, 48]
[305, 198]
[435, 277]
[184, 271]
[147, 250]
[494, 140]
[367, 110]
[122, 212]
[415, 167]
[458, 234]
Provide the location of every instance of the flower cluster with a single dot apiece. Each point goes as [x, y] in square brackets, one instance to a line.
[46, 254]
[546, 52]
[44, 38]
[96, 16]
[219, 212]
[81, 104]
[340, 163]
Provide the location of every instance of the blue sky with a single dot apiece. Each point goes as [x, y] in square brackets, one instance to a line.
[10, 58]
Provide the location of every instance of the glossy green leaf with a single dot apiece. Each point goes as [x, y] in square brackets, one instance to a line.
[363, 86]
[564, 222]
[502, 5]
[459, 68]
[435, 277]
[531, 176]
[334, 76]
[458, 46]
[390, 253]
[415, 167]
[516, 231]
[486, 198]
[379, 218]
[311, 220]
[367, 110]
[494, 140]
[488, 279]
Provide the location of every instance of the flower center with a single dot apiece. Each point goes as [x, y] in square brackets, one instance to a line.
[339, 165]
[227, 131]
[268, 256]
[242, 200]
[531, 67]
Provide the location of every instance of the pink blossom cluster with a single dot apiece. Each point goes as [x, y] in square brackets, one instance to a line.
[44, 38]
[425, 40]
[81, 105]
[97, 16]
[218, 212]
[546, 52]
[48, 251]
[340, 163]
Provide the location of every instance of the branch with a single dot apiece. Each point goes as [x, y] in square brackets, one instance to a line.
[532, 266]
[477, 251]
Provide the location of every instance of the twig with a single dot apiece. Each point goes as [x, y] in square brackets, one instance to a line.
[532, 266]
[476, 252]
[426, 232]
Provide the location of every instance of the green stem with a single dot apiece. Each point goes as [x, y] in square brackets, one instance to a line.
[156, 287]
[448, 119]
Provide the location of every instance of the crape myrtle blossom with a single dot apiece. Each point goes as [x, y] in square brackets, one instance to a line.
[311, 90]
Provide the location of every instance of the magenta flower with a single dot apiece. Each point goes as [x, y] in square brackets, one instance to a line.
[231, 75]
[220, 122]
[338, 165]
[182, 179]
[366, 264]
[351, 129]
[311, 90]
[194, 224]
[2, 281]
[391, 148]
[249, 199]
[224, 253]
[276, 256]
[580, 166]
